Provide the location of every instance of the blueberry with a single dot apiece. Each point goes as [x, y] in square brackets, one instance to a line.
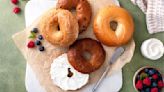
[146, 70]
[144, 86]
[154, 84]
[147, 90]
[151, 72]
[151, 78]
[38, 42]
[35, 30]
[138, 77]
[142, 91]
[41, 48]
[40, 37]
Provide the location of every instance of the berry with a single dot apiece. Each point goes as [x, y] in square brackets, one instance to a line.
[147, 81]
[139, 84]
[40, 37]
[15, 1]
[31, 44]
[147, 90]
[142, 91]
[38, 42]
[16, 10]
[146, 70]
[154, 90]
[160, 84]
[151, 72]
[154, 84]
[155, 76]
[41, 48]
[151, 78]
[35, 30]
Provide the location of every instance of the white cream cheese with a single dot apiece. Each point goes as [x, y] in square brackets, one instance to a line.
[152, 49]
[61, 69]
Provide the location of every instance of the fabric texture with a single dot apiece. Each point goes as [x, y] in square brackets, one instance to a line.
[154, 10]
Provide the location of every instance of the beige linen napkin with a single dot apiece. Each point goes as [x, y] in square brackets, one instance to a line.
[40, 62]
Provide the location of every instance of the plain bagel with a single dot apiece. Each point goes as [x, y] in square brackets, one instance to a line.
[113, 26]
[59, 27]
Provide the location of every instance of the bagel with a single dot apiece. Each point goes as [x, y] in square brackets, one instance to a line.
[113, 26]
[78, 55]
[59, 27]
[83, 11]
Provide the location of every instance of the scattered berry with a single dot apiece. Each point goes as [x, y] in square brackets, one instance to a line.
[14, 1]
[31, 44]
[155, 76]
[154, 90]
[40, 37]
[35, 30]
[139, 84]
[38, 42]
[160, 84]
[41, 48]
[147, 81]
[16, 10]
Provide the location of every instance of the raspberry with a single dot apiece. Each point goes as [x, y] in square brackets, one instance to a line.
[147, 81]
[139, 84]
[31, 44]
[154, 90]
[155, 76]
[160, 84]
[15, 1]
[16, 10]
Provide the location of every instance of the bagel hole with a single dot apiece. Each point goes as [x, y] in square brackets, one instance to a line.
[83, 28]
[113, 25]
[58, 27]
[86, 55]
[85, 18]
[73, 11]
[70, 74]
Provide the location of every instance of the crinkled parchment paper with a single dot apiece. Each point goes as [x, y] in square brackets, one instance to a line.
[40, 62]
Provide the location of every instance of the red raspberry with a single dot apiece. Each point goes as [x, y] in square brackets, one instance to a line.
[160, 84]
[16, 10]
[139, 84]
[155, 76]
[154, 90]
[147, 81]
[14, 1]
[31, 44]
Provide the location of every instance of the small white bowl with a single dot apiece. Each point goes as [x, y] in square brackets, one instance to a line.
[139, 70]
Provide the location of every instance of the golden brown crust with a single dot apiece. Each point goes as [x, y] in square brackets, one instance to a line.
[83, 11]
[67, 32]
[79, 62]
[105, 34]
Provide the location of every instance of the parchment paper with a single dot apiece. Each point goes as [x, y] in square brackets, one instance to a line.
[40, 61]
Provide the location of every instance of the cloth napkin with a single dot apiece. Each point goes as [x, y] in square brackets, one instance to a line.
[154, 10]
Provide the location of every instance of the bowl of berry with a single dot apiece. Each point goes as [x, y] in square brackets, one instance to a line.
[148, 79]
